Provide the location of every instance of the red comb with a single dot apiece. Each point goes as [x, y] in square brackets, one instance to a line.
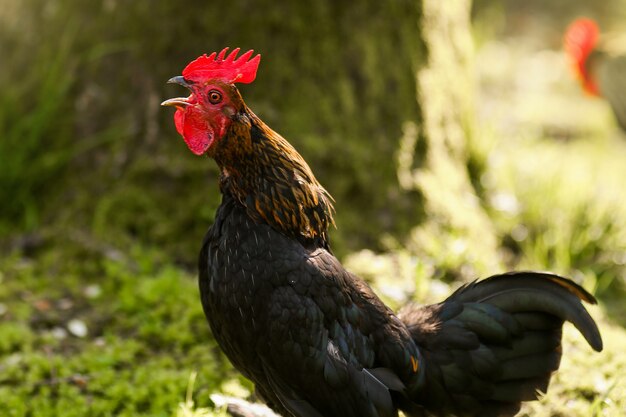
[581, 37]
[226, 69]
[580, 40]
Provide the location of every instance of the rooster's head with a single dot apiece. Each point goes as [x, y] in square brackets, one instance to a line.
[205, 116]
[581, 38]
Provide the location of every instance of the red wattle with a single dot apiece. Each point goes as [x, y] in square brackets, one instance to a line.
[198, 134]
[179, 121]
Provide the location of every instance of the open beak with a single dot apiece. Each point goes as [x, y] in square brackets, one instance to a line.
[180, 80]
[178, 101]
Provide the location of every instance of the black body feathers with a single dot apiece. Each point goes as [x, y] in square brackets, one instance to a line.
[317, 341]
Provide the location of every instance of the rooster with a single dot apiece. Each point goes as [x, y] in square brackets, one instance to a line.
[600, 68]
[313, 337]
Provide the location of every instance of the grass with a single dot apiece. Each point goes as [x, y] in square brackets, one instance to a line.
[554, 179]
[569, 213]
[24, 121]
[145, 334]
[147, 350]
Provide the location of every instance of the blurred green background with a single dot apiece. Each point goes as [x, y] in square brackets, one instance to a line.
[103, 208]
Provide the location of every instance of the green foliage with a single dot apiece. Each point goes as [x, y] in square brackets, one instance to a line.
[146, 334]
[36, 112]
[568, 211]
[147, 338]
[554, 184]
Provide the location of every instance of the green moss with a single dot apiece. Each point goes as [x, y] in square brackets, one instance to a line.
[145, 335]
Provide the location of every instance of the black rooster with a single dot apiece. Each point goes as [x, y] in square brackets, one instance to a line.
[314, 338]
[600, 64]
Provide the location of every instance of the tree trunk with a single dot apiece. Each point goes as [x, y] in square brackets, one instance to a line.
[434, 154]
[337, 79]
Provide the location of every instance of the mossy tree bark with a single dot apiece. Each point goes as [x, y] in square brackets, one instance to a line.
[337, 79]
[434, 154]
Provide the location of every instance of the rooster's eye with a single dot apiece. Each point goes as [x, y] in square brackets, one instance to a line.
[214, 96]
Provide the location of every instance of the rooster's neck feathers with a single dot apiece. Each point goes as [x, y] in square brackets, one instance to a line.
[266, 175]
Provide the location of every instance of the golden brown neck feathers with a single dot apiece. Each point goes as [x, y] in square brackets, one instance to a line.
[265, 174]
